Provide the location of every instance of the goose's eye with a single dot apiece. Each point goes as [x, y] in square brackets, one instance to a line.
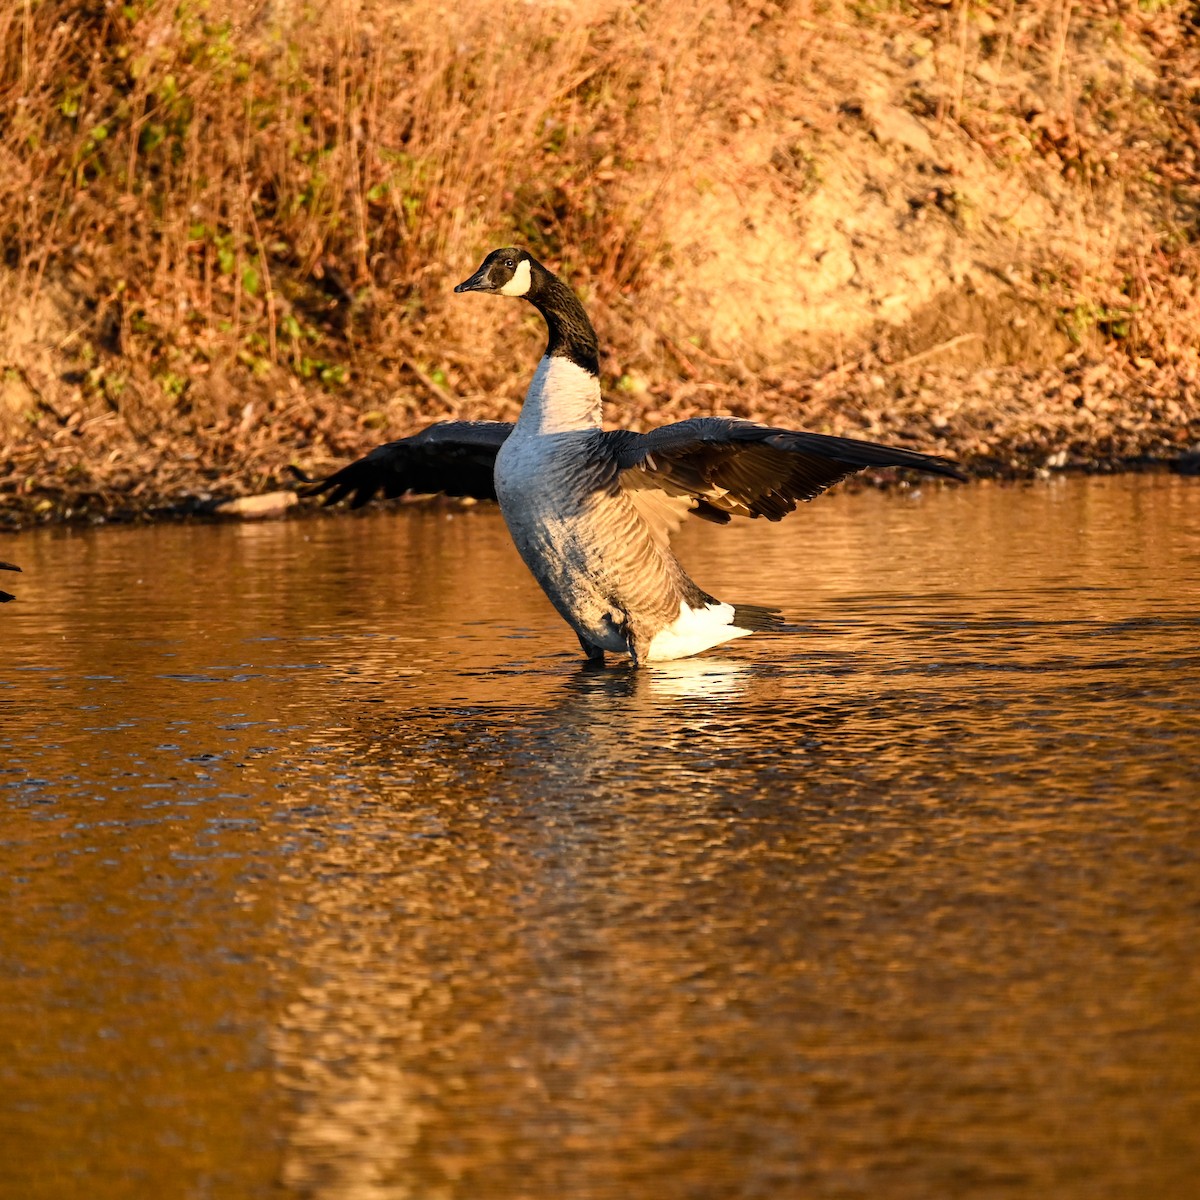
[508, 262]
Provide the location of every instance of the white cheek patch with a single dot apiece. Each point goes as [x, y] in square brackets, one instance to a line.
[518, 285]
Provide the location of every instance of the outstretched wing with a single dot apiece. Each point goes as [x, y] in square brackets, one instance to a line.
[727, 467]
[456, 458]
[5, 597]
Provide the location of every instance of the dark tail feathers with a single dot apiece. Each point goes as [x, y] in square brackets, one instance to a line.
[757, 618]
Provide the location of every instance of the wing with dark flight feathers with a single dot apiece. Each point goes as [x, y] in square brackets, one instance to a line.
[730, 467]
[456, 458]
[5, 597]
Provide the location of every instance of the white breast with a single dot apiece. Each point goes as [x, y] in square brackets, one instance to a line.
[562, 397]
[539, 469]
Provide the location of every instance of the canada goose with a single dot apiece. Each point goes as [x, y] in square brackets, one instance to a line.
[5, 597]
[592, 512]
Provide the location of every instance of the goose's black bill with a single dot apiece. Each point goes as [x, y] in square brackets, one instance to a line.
[455, 458]
[478, 282]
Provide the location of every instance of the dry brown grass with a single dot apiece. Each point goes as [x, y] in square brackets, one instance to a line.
[206, 204]
[272, 186]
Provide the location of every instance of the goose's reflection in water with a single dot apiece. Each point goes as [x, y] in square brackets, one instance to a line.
[699, 679]
[516, 906]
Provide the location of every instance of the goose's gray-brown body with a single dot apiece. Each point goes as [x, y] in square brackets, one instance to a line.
[592, 512]
[602, 563]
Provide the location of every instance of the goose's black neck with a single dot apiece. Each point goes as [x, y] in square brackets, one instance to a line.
[571, 333]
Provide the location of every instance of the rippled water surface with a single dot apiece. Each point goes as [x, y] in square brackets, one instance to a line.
[326, 872]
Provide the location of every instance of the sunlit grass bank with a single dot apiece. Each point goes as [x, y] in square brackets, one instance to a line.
[240, 224]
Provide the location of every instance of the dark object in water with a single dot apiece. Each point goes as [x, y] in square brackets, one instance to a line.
[5, 597]
[1187, 463]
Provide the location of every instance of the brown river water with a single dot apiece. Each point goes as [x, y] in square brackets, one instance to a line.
[325, 871]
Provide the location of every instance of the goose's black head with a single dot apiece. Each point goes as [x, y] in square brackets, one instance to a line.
[505, 272]
[514, 272]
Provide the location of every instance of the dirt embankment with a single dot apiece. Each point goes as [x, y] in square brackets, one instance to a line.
[229, 236]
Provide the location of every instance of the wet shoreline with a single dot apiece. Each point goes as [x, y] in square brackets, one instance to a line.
[1087, 416]
[286, 502]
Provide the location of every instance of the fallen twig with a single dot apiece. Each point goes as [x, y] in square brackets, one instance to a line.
[949, 344]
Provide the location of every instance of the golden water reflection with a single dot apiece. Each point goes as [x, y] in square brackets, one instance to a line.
[328, 873]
